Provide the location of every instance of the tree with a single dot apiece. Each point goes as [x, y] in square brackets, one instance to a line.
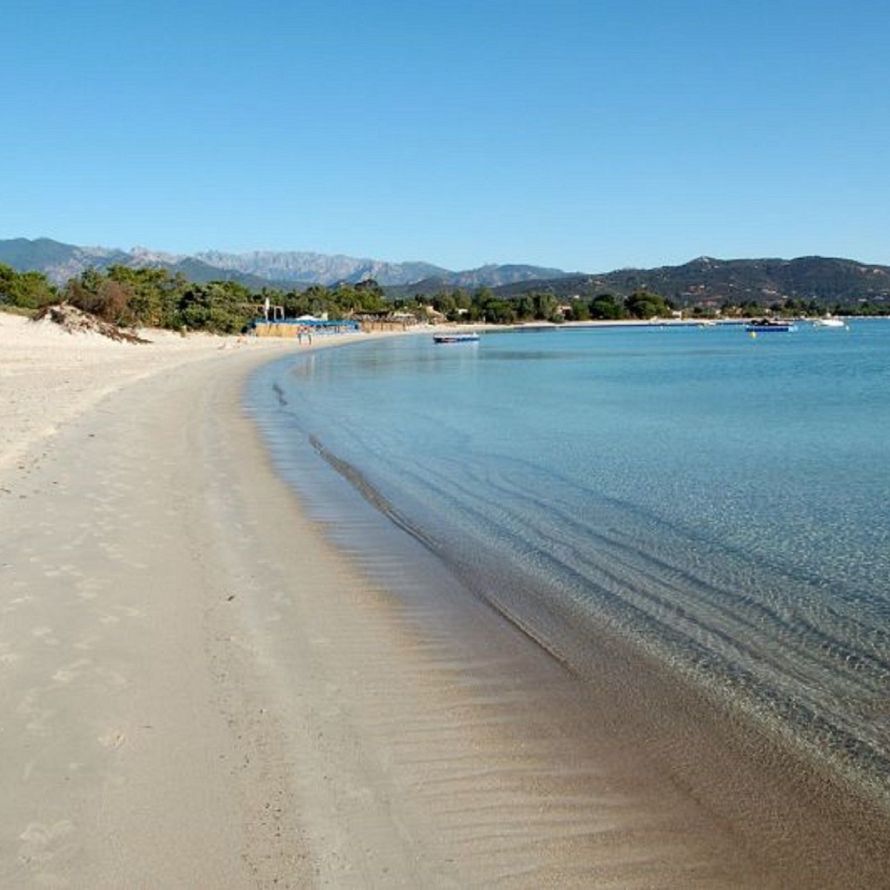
[155, 293]
[28, 290]
[606, 307]
[580, 311]
[643, 304]
[461, 298]
[224, 307]
[546, 306]
[525, 307]
[445, 303]
[96, 293]
[498, 312]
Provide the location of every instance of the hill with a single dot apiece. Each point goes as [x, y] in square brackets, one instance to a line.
[702, 281]
[707, 280]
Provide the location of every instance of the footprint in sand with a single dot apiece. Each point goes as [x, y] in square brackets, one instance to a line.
[87, 643]
[112, 739]
[37, 716]
[64, 675]
[41, 844]
[112, 678]
[45, 634]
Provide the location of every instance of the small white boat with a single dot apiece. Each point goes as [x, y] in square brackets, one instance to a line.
[829, 321]
[455, 338]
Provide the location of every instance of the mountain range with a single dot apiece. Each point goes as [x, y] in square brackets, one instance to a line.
[59, 262]
[701, 280]
[705, 279]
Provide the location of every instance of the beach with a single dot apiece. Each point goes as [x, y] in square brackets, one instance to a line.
[201, 690]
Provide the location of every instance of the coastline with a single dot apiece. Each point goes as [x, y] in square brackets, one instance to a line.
[754, 781]
[206, 692]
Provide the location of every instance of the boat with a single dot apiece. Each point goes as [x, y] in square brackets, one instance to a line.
[455, 338]
[829, 321]
[770, 326]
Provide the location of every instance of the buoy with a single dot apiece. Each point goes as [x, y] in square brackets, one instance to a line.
[753, 335]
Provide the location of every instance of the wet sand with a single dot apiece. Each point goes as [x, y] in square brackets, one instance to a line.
[199, 690]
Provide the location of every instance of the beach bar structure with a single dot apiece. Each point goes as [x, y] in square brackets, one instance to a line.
[294, 327]
[386, 320]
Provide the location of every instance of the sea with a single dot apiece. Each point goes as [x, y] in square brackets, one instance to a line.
[718, 503]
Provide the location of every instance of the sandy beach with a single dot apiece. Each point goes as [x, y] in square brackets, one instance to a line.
[198, 690]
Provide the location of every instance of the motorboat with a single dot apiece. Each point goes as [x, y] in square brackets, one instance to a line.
[455, 338]
[770, 326]
[829, 321]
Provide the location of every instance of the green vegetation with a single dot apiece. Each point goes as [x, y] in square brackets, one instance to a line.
[794, 308]
[486, 306]
[708, 282]
[157, 297]
[24, 290]
[9, 309]
[153, 297]
[606, 307]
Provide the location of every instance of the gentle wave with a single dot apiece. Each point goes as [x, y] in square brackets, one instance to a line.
[553, 504]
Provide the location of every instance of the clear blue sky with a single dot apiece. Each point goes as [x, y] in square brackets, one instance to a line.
[586, 135]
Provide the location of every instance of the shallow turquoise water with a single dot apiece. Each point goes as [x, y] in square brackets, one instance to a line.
[721, 502]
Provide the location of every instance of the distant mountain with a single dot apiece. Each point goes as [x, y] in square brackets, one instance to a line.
[318, 267]
[59, 261]
[706, 279]
[699, 281]
[493, 276]
[485, 276]
[256, 269]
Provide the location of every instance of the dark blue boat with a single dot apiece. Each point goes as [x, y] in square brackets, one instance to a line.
[769, 326]
[455, 338]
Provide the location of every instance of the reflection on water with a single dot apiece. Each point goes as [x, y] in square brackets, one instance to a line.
[718, 501]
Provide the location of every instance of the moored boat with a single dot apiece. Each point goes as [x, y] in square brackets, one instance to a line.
[770, 326]
[455, 338]
[829, 321]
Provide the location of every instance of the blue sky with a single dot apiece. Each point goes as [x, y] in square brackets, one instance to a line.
[584, 135]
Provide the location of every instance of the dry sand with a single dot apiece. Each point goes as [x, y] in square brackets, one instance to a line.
[198, 691]
[49, 376]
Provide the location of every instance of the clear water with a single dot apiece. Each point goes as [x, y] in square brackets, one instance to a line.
[718, 501]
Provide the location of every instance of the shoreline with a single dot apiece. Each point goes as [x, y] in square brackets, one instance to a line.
[761, 785]
[488, 746]
[206, 691]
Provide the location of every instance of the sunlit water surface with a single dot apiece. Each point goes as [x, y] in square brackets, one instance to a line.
[718, 501]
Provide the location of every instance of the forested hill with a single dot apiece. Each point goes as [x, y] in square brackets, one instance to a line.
[707, 280]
